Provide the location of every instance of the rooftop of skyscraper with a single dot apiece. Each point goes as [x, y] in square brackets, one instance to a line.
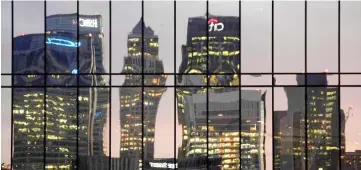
[312, 79]
[138, 28]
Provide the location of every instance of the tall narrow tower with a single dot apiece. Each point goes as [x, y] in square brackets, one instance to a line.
[131, 97]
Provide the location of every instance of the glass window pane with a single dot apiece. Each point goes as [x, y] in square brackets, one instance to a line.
[256, 146]
[28, 124]
[289, 128]
[289, 36]
[256, 36]
[159, 17]
[28, 39]
[131, 126]
[323, 133]
[282, 80]
[223, 126]
[159, 126]
[256, 79]
[93, 131]
[94, 23]
[192, 117]
[6, 38]
[351, 79]
[6, 126]
[351, 127]
[62, 38]
[5, 80]
[126, 31]
[189, 25]
[350, 36]
[224, 37]
[322, 41]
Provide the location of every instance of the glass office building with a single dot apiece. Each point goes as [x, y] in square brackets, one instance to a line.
[49, 133]
[323, 118]
[88, 24]
[223, 111]
[131, 103]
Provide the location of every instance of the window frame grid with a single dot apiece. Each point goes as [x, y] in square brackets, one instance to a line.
[175, 86]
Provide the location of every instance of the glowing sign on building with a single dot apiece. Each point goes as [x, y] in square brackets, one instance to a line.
[62, 42]
[214, 25]
[74, 71]
[163, 165]
[93, 23]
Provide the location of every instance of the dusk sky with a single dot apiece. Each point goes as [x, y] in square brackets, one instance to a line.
[256, 52]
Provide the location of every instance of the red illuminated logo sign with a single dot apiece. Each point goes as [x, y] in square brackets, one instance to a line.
[214, 25]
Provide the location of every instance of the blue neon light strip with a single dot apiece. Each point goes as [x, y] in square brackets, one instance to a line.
[62, 42]
[97, 114]
[74, 71]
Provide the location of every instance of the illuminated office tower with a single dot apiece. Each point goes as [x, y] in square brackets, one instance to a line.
[277, 134]
[88, 24]
[253, 116]
[290, 145]
[323, 131]
[223, 111]
[131, 97]
[323, 128]
[61, 102]
[91, 26]
[223, 51]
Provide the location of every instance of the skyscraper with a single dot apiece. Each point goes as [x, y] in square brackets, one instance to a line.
[223, 51]
[88, 24]
[59, 128]
[277, 116]
[223, 110]
[320, 103]
[131, 97]
[91, 26]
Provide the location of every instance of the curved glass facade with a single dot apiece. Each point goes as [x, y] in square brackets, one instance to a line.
[60, 125]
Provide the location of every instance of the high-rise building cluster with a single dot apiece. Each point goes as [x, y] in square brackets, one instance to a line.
[223, 126]
[319, 136]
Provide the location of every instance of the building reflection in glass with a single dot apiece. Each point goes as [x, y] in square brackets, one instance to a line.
[323, 121]
[223, 112]
[59, 129]
[132, 99]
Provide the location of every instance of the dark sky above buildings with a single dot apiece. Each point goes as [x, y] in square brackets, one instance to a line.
[256, 51]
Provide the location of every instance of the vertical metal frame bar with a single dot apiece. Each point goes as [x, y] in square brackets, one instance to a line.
[339, 85]
[306, 88]
[273, 85]
[239, 82]
[110, 85]
[77, 87]
[207, 79]
[175, 82]
[12, 86]
[143, 84]
[45, 85]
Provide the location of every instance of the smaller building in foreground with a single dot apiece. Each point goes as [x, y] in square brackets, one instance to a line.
[353, 160]
[102, 163]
